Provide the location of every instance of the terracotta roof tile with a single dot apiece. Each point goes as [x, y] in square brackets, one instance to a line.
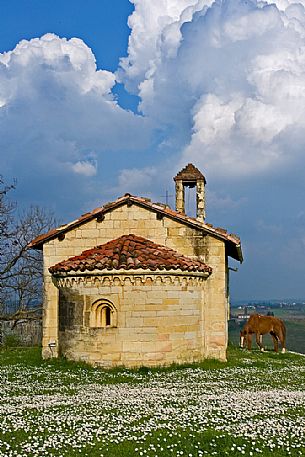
[189, 173]
[130, 252]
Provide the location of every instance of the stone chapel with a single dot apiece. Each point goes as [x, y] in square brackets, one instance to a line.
[136, 283]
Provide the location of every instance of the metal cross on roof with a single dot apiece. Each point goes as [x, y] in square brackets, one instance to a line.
[167, 196]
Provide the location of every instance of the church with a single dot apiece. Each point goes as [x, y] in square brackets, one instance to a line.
[136, 283]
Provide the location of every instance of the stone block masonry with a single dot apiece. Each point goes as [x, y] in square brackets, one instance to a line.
[144, 335]
[164, 318]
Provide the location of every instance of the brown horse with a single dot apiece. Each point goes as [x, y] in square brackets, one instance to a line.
[261, 325]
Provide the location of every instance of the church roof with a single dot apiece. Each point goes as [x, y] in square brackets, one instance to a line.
[190, 173]
[232, 241]
[130, 252]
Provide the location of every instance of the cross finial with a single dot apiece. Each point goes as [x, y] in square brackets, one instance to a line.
[167, 196]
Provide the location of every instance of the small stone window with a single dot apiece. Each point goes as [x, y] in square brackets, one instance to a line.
[103, 314]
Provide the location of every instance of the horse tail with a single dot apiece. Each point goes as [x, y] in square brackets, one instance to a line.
[283, 331]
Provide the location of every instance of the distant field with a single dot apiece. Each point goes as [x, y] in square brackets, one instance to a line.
[252, 405]
[284, 313]
[289, 313]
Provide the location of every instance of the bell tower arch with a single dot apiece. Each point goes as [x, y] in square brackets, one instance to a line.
[190, 176]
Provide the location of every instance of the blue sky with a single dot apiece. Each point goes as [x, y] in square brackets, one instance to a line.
[100, 23]
[91, 108]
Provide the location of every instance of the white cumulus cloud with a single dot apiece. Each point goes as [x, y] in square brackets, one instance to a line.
[155, 29]
[55, 108]
[85, 168]
[224, 80]
[67, 63]
[136, 180]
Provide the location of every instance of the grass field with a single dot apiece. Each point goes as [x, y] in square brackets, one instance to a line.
[253, 405]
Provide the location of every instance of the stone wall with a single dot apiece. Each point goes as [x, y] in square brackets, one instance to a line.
[134, 219]
[159, 319]
[216, 301]
[25, 333]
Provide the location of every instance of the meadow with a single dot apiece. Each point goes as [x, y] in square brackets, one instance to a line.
[252, 405]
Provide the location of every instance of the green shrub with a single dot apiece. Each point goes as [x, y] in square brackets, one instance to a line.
[11, 341]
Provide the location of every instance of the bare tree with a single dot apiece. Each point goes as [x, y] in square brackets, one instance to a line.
[20, 268]
[7, 232]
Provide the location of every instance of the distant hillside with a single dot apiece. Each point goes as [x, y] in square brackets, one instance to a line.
[271, 301]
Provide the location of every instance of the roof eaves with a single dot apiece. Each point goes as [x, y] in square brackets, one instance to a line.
[54, 233]
[138, 271]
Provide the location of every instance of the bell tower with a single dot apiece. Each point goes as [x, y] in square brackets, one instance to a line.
[190, 177]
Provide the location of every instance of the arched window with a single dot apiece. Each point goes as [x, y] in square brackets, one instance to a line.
[103, 314]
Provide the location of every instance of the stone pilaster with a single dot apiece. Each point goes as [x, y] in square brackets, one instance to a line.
[50, 342]
[216, 304]
[180, 196]
[200, 197]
